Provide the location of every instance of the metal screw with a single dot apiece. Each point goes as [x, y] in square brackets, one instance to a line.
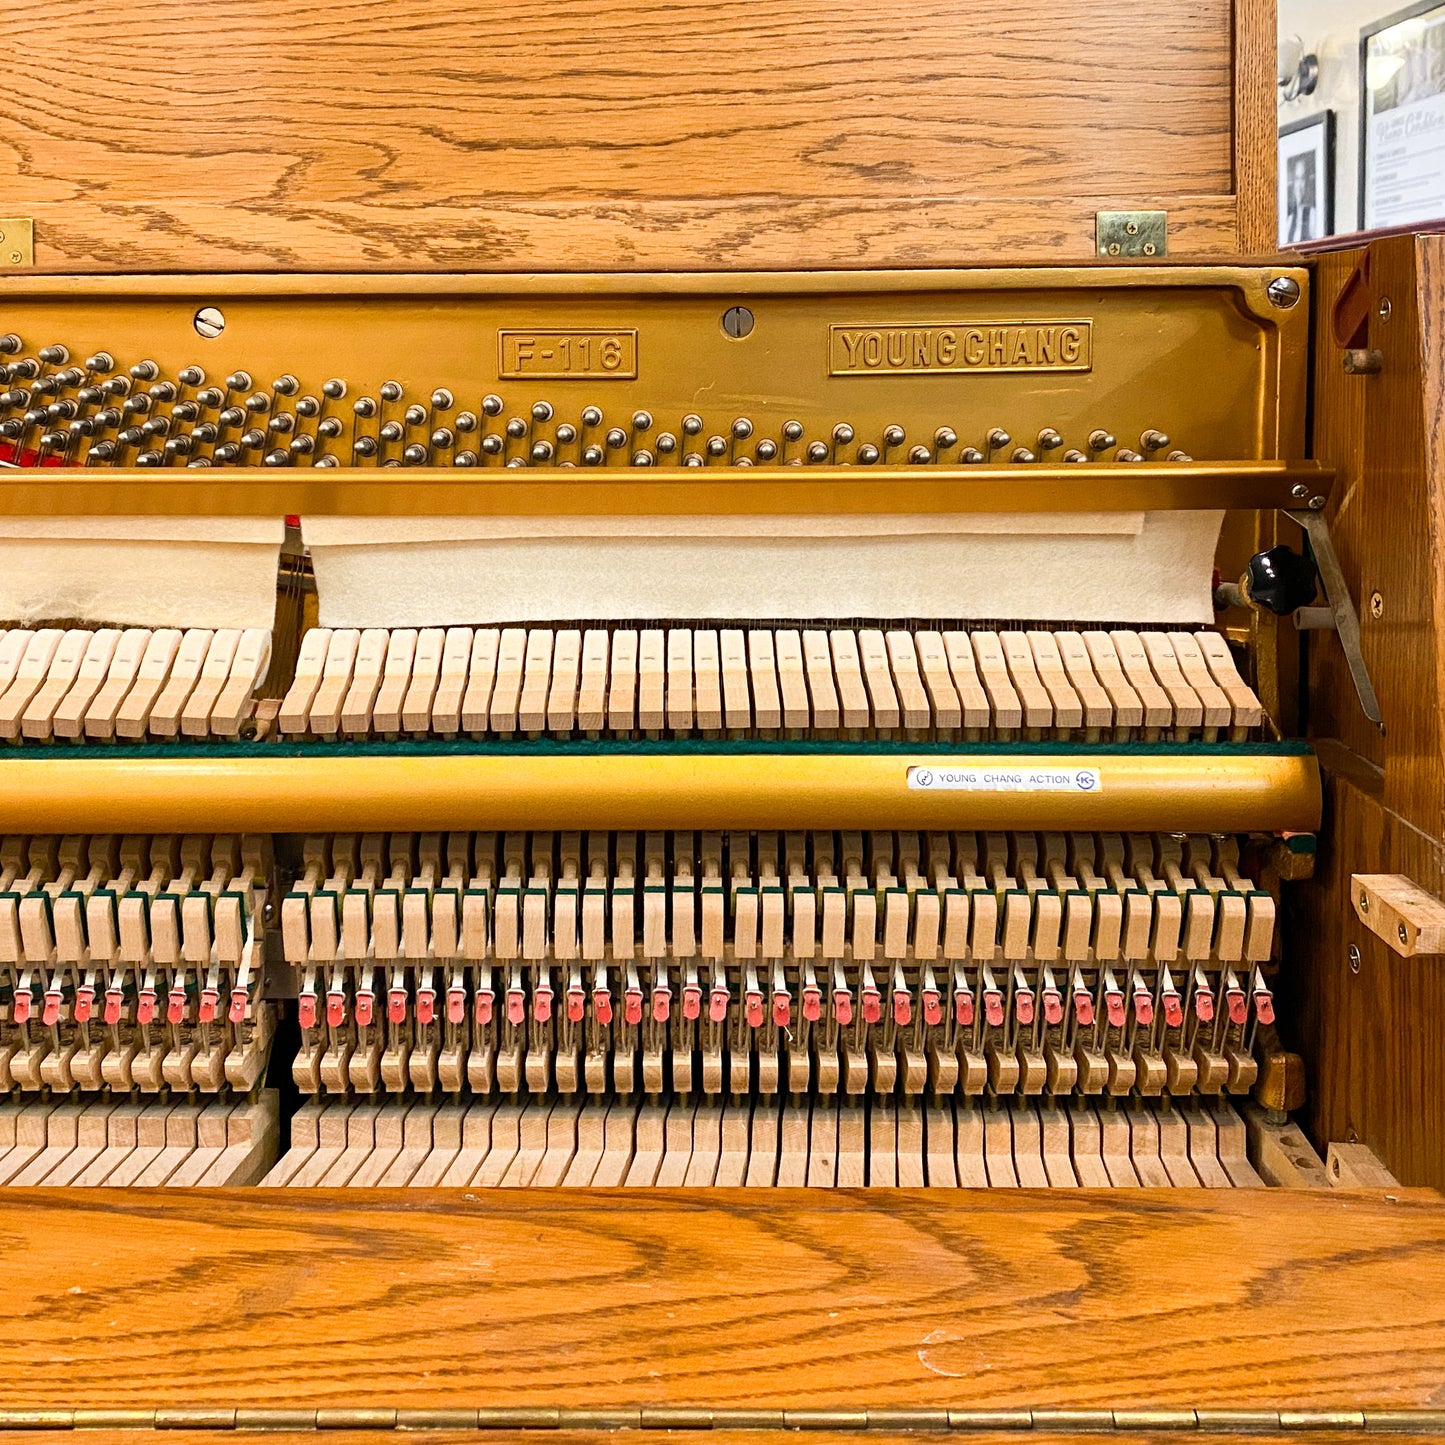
[1283, 292]
[1402, 933]
[15, 258]
[1354, 958]
[1352, 1137]
[1385, 309]
[1317, 504]
[1131, 228]
[1364, 903]
[737, 322]
[1300, 490]
[209, 323]
[1149, 248]
[1114, 248]
[1377, 605]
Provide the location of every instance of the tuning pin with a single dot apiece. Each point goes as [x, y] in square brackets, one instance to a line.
[542, 452]
[282, 423]
[566, 434]
[541, 411]
[998, 439]
[919, 456]
[491, 405]
[516, 461]
[465, 459]
[232, 416]
[326, 461]
[141, 371]
[717, 446]
[693, 459]
[817, 451]
[868, 454]
[258, 403]
[58, 355]
[229, 452]
[442, 399]
[329, 428]
[1153, 441]
[361, 447]
[209, 398]
[278, 458]
[616, 438]
[443, 439]
[414, 415]
[335, 388]
[742, 429]
[1075, 455]
[516, 428]
[302, 446]
[10, 344]
[414, 455]
[642, 458]
[641, 421]
[492, 445]
[1049, 440]
[186, 411]
[1178, 456]
[666, 443]
[692, 425]
[766, 450]
[944, 439]
[742, 461]
[102, 361]
[592, 456]
[591, 416]
[286, 385]
[1100, 441]
[1023, 454]
[466, 421]
[27, 368]
[253, 440]
[842, 434]
[389, 391]
[364, 406]
[1125, 455]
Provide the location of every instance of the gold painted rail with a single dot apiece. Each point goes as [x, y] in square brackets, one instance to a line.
[1193, 791]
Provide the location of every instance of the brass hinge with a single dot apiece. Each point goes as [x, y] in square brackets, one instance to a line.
[17, 241]
[1132, 235]
[1255, 1422]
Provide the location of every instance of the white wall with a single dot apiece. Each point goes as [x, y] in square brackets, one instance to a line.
[1331, 28]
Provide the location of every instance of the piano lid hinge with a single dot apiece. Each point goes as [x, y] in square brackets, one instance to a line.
[17, 242]
[1132, 235]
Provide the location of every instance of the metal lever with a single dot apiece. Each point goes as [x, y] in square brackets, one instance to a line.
[1340, 614]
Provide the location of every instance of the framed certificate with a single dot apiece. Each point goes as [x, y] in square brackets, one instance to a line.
[1402, 118]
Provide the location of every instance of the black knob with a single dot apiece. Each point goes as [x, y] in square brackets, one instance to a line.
[1280, 580]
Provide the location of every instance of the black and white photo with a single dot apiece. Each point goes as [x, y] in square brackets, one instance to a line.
[1307, 179]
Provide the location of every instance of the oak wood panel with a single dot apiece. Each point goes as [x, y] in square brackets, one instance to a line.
[1376, 1060]
[1278, 1299]
[1385, 514]
[1256, 126]
[389, 134]
[1375, 1054]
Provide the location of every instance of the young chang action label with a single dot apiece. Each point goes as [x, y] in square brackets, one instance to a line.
[936, 778]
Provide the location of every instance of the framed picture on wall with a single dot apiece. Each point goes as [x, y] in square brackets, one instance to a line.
[1307, 179]
[1402, 117]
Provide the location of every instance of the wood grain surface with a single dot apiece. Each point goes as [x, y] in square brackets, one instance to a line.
[1376, 1063]
[391, 134]
[1280, 1299]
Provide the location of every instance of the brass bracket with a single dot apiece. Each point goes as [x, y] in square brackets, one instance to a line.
[1399, 912]
[1132, 235]
[17, 241]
